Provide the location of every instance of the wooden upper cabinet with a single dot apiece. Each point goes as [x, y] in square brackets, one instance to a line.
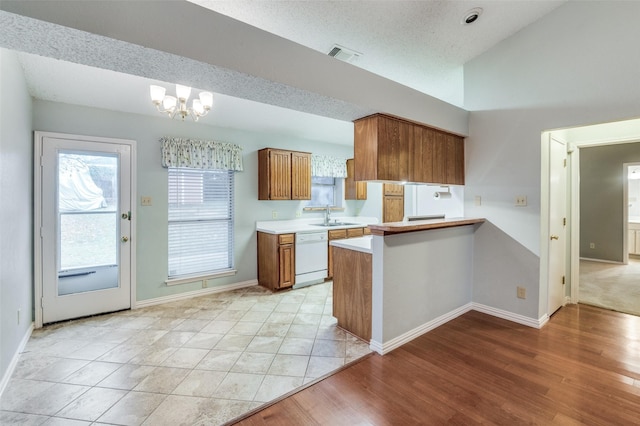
[354, 190]
[392, 149]
[284, 175]
[300, 176]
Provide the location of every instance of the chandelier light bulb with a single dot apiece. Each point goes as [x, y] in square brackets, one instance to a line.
[157, 93]
[197, 107]
[207, 99]
[169, 103]
[183, 92]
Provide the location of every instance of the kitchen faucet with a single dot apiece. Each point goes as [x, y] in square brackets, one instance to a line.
[327, 215]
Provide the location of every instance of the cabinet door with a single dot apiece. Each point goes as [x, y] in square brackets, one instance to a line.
[392, 209]
[286, 265]
[636, 249]
[279, 175]
[454, 160]
[354, 190]
[300, 176]
[631, 241]
[334, 234]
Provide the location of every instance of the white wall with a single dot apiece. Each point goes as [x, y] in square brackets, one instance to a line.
[419, 200]
[16, 211]
[152, 181]
[575, 66]
[602, 199]
[419, 277]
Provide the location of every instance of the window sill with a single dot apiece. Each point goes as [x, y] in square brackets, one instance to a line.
[196, 278]
[319, 208]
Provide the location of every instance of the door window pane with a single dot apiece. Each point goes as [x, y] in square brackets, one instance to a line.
[87, 222]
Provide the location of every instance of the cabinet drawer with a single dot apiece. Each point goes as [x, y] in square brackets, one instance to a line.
[286, 238]
[366, 231]
[337, 234]
[355, 232]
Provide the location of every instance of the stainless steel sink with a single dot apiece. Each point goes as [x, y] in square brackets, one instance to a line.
[335, 224]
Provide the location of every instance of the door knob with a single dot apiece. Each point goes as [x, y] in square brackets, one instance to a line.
[554, 237]
[124, 239]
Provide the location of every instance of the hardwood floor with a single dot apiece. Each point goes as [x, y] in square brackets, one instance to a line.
[583, 367]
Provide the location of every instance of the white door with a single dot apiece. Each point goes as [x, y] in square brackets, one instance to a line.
[85, 215]
[557, 223]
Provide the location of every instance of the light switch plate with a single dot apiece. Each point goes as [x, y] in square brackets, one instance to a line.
[478, 200]
[145, 201]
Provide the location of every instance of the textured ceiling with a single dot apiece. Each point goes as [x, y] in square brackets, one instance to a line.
[421, 44]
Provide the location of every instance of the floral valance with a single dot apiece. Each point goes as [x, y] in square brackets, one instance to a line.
[199, 154]
[328, 166]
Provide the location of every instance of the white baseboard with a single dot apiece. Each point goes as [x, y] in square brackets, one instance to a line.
[510, 316]
[195, 293]
[14, 361]
[383, 348]
[602, 261]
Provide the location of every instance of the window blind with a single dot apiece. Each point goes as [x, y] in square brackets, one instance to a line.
[200, 221]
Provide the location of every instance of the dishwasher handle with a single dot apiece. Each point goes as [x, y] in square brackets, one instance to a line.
[311, 238]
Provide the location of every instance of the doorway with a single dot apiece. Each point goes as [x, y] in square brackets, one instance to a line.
[614, 133]
[84, 226]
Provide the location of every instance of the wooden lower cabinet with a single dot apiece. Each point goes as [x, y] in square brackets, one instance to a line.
[352, 282]
[276, 260]
[341, 234]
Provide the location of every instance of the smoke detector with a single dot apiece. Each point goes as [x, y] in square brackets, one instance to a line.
[471, 16]
[344, 54]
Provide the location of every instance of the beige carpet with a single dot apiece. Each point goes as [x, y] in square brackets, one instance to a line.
[611, 286]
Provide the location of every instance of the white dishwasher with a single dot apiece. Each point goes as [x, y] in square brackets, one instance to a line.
[311, 257]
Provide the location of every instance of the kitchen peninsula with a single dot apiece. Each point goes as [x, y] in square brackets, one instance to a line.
[405, 279]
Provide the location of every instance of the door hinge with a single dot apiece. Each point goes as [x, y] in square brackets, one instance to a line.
[563, 280]
[564, 162]
[42, 302]
[564, 221]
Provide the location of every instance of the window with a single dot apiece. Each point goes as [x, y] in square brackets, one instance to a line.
[200, 222]
[323, 192]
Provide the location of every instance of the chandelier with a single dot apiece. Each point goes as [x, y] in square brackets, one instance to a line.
[177, 105]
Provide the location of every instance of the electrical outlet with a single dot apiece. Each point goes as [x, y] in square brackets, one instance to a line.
[274, 214]
[298, 213]
[145, 201]
[478, 200]
[522, 293]
[521, 201]
[592, 245]
[204, 283]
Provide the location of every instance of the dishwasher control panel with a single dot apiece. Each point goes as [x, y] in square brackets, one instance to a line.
[309, 237]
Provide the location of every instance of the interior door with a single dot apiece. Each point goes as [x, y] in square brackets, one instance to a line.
[557, 223]
[85, 214]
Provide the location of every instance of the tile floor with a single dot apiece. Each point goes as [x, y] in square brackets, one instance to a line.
[201, 361]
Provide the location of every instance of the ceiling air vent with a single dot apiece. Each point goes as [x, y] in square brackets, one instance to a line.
[344, 54]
